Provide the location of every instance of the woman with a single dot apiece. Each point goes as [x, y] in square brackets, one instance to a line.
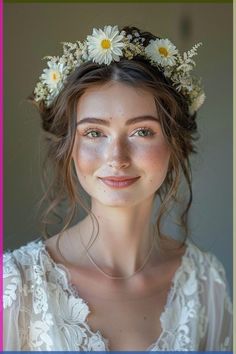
[119, 112]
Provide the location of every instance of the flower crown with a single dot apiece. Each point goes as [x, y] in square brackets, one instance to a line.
[110, 44]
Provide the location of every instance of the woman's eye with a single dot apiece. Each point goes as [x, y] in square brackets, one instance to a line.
[93, 134]
[143, 132]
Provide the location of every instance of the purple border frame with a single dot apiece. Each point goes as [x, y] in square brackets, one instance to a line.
[1, 172]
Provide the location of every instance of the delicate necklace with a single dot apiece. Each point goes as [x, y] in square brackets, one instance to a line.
[118, 277]
[100, 269]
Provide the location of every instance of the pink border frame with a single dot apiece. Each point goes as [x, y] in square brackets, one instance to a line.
[1, 167]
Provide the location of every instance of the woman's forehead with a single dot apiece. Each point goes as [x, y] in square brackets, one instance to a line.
[115, 99]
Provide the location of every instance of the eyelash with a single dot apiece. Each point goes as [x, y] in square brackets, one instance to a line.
[89, 130]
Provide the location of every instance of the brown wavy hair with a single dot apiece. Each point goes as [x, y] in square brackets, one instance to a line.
[59, 124]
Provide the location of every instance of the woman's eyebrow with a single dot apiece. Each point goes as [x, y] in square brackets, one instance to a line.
[128, 122]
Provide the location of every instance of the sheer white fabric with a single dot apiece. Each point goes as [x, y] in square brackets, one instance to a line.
[42, 310]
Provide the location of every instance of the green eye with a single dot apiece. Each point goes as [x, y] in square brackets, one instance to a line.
[93, 134]
[144, 132]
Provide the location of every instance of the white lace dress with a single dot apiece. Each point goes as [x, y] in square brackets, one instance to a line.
[43, 312]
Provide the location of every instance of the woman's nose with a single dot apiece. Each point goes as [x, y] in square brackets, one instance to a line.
[118, 156]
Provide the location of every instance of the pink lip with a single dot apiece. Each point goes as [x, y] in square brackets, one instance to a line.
[119, 182]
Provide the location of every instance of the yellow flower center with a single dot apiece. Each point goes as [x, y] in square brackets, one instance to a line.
[106, 43]
[55, 76]
[163, 51]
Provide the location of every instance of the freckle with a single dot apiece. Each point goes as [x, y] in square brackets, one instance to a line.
[120, 330]
[144, 317]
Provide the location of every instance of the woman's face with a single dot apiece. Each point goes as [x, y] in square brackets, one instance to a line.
[120, 153]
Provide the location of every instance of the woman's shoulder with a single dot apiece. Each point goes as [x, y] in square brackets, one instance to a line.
[204, 257]
[15, 270]
[195, 259]
[24, 255]
[205, 265]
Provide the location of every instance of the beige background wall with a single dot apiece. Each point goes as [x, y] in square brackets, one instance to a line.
[34, 30]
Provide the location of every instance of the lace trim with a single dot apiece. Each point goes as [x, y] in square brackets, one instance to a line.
[65, 281]
[182, 305]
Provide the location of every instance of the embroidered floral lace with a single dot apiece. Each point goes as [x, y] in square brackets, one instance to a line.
[43, 312]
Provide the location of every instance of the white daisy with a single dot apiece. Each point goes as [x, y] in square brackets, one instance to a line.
[105, 45]
[197, 103]
[162, 52]
[53, 75]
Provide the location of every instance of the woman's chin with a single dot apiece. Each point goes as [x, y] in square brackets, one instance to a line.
[117, 203]
[120, 201]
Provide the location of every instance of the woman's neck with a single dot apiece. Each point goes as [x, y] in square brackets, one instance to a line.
[125, 236]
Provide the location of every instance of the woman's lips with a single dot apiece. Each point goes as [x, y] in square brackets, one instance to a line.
[118, 182]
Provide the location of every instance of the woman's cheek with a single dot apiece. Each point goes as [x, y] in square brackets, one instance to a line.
[154, 154]
[87, 156]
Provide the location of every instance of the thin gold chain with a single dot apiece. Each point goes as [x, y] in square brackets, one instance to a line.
[101, 270]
